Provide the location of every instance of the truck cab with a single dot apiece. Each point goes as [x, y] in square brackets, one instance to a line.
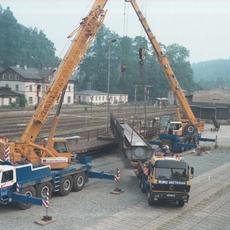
[175, 128]
[168, 179]
[7, 181]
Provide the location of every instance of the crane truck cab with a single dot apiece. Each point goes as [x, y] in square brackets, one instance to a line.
[7, 178]
[166, 179]
[175, 127]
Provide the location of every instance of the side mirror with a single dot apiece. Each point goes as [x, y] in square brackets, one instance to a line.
[192, 170]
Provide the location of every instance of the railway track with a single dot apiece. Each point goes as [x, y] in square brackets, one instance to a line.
[81, 121]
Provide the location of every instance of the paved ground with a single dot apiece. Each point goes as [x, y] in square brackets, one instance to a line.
[96, 208]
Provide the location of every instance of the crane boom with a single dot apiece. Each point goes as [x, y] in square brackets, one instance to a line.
[26, 148]
[80, 42]
[163, 60]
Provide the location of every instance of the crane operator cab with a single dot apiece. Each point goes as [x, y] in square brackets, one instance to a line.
[175, 127]
[60, 147]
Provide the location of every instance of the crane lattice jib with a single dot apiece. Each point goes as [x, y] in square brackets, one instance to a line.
[80, 42]
[162, 58]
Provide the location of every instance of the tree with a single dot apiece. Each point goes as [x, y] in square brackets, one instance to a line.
[23, 46]
[178, 56]
[93, 70]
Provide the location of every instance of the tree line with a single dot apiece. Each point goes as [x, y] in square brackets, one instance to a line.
[126, 71]
[20, 45]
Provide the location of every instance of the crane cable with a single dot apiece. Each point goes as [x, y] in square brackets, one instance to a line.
[68, 40]
[124, 20]
[123, 48]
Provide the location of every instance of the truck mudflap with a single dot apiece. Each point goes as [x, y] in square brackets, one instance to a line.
[169, 196]
[21, 198]
[100, 175]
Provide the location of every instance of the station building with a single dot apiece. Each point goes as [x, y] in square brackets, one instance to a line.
[32, 83]
[99, 98]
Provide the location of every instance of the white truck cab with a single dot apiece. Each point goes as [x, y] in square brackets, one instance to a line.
[175, 127]
[7, 176]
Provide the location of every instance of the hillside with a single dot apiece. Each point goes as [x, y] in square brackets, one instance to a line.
[214, 73]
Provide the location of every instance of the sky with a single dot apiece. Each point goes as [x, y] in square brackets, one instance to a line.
[202, 26]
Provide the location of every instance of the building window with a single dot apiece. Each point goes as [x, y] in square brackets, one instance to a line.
[69, 99]
[30, 100]
[69, 88]
[7, 85]
[16, 88]
[96, 98]
[30, 88]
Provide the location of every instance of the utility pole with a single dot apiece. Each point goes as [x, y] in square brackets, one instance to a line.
[108, 85]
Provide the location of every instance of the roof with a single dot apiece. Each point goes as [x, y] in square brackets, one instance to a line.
[6, 91]
[215, 96]
[32, 73]
[96, 93]
[91, 92]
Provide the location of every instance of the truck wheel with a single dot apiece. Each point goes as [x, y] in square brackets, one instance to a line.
[66, 185]
[79, 181]
[180, 203]
[43, 188]
[150, 198]
[190, 129]
[29, 191]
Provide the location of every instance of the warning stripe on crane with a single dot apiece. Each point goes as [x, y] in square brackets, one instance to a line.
[17, 187]
[6, 153]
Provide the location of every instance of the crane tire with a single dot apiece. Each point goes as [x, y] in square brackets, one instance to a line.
[190, 129]
[29, 191]
[66, 185]
[43, 188]
[79, 181]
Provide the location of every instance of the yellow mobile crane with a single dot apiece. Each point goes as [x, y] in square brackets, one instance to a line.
[25, 149]
[191, 126]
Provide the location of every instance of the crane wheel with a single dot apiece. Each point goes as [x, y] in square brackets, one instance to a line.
[66, 185]
[79, 181]
[43, 188]
[190, 129]
[29, 191]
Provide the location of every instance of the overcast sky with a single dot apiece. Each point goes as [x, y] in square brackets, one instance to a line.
[202, 26]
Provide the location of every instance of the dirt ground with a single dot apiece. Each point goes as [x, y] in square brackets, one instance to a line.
[95, 208]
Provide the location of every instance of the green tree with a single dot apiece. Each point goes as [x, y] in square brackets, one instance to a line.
[93, 69]
[178, 56]
[23, 46]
